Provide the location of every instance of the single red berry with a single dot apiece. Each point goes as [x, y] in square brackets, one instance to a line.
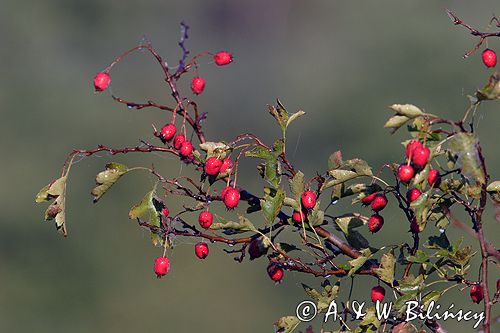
[231, 198]
[226, 164]
[413, 194]
[197, 85]
[498, 284]
[378, 294]
[375, 223]
[421, 156]
[162, 265]
[410, 147]
[223, 58]
[368, 199]
[224, 191]
[298, 216]
[489, 58]
[186, 148]
[275, 272]
[178, 141]
[476, 294]
[201, 250]
[212, 166]
[206, 218]
[101, 81]
[434, 178]
[165, 211]
[308, 199]
[168, 131]
[256, 248]
[379, 202]
[405, 173]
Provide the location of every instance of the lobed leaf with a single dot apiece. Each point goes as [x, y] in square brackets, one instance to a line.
[107, 178]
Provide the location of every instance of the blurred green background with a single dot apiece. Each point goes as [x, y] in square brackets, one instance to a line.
[342, 62]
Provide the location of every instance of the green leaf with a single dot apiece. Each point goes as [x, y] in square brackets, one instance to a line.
[395, 122]
[317, 216]
[324, 298]
[464, 146]
[56, 210]
[259, 152]
[420, 257]
[279, 113]
[356, 240]
[491, 90]
[294, 117]
[359, 261]
[272, 204]
[146, 210]
[370, 319]
[429, 297]
[242, 225]
[218, 149]
[494, 186]
[297, 186]
[107, 178]
[278, 147]
[408, 110]
[287, 324]
[387, 267]
[347, 223]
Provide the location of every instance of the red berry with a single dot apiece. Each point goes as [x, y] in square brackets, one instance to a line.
[101, 81]
[224, 191]
[162, 265]
[226, 164]
[498, 284]
[275, 272]
[375, 223]
[308, 199]
[178, 141]
[405, 173]
[186, 148]
[413, 194]
[197, 85]
[434, 178]
[168, 131]
[410, 147]
[231, 198]
[212, 166]
[223, 58]
[298, 216]
[378, 294]
[421, 156]
[489, 58]
[476, 294]
[165, 211]
[379, 202]
[368, 199]
[205, 219]
[201, 250]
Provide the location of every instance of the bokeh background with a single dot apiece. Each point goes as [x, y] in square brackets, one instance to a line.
[342, 62]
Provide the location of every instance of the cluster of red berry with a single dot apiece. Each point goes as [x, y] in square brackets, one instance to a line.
[213, 165]
[377, 202]
[417, 158]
